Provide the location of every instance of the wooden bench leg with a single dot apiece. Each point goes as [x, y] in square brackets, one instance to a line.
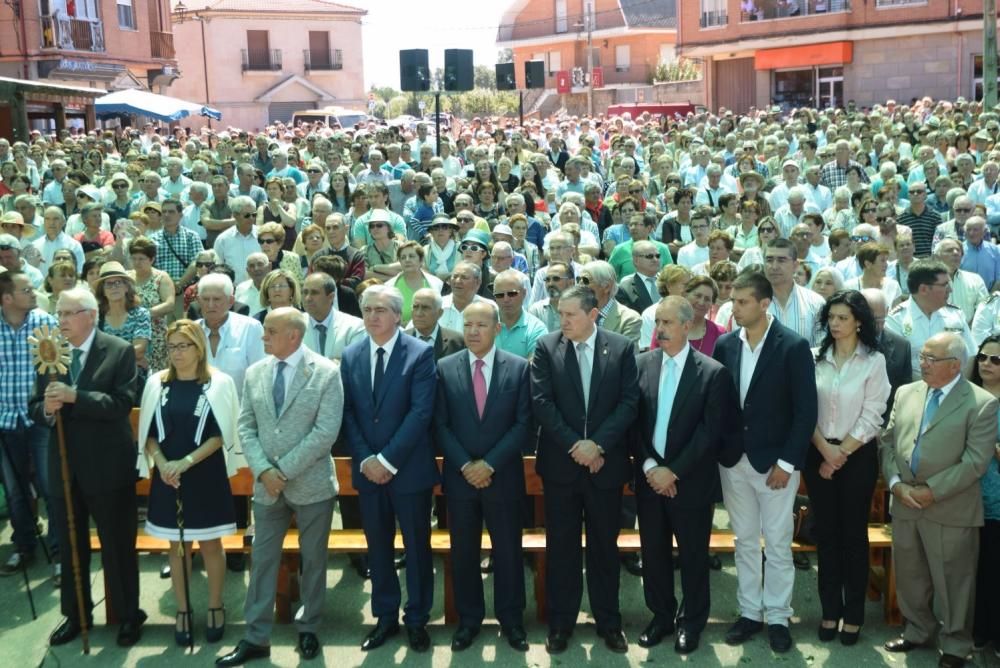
[540, 586]
[450, 612]
[893, 616]
[288, 587]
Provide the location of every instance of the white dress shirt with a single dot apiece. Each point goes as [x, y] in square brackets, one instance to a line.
[373, 355]
[852, 398]
[748, 363]
[291, 364]
[240, 345]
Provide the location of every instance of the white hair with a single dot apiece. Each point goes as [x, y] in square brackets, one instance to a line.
[220, 281]
[394, 296]
[82, 297]
[520, 277]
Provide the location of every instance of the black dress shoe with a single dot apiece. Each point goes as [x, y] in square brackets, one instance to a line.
[779, 637]
[463, 638]
[360, 564]
[632, 563]
[165, 572]
[951, 661]
[654, 634]
[801, 561]
[743, 630]
[614, 639]
[714, 562]
[377, 637]
[130, 632]
[848, 638]
[236, 562]
[557, 641]
[516, 637]
[245, 651]
[419, 640]
[308, 645]
[686, 642]
[66, 632]
[401, 560]
[826, 634]
[900, 644]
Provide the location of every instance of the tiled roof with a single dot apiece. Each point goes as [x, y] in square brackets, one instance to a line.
[314, 6]
[649, 13]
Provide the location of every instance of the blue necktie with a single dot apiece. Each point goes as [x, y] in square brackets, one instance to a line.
[279, 388]
[929, 412]
[664, 405]
[321, 334]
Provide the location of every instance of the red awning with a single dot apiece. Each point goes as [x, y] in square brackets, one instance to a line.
[828, 53]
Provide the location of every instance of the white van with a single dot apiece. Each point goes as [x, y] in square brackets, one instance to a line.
[332, 116]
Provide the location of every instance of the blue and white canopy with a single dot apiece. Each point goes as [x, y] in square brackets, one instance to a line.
[160, 107]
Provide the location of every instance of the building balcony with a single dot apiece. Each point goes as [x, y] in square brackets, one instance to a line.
[162, 45]
[768, 10]
[72, 34]
[569, 27]
[261, 60]
[714, 19]
[323, 60]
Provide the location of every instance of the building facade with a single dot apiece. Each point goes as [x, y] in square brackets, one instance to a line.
[257, 62]
[825, 53]
[627, 39]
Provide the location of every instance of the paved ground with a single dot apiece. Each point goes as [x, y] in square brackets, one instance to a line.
[23, 642]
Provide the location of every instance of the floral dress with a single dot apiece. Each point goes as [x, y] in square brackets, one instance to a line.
[136, 326]
[149, 293]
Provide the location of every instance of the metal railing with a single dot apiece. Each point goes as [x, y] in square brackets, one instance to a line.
[323, 60]
[261, 60]
[714, 18]
[767, 10]
[72, 34]
[161, 45]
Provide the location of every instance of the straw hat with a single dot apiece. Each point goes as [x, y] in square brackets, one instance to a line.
[111, 269]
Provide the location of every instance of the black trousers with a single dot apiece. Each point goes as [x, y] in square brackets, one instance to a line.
[503, 521]
[114, 513]
[841, 508]
[659, 520]
[567, 509]
[987, 625]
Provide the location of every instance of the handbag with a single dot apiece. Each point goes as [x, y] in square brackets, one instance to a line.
[803, 521]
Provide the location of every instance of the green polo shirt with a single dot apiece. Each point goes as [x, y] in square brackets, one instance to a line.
[521, 339]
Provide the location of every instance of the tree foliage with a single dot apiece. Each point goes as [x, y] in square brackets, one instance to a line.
[390, 103]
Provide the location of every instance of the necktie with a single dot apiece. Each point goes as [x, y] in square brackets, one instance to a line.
[929, 412]
[379, 371]
[279, 387]
[479, 386]
[425, 339]
[651, 288]
[585, 369]
[321, 333]
[664, 405]
[75, 366]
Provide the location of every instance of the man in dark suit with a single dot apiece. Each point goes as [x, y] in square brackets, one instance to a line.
[774, 373]
[96, 400]
[426, 312]
[638, 291]
[389, 382]
[894, 347]
[584, 395]
[684, 399]
[481, 421]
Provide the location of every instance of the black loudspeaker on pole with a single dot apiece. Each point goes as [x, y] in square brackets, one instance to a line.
[505, 76]
[414, 71]
[458, 70]
[534, 74]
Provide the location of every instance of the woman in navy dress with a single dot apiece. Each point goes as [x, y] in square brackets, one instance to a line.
[187, 431]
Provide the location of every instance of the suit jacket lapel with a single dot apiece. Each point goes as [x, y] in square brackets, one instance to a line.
[496, 379]
[770, 342]
[687, 382]
[299, 379]
[438, 343]
[94, 356]
[949, 404]
[465, 380]
[364, 370]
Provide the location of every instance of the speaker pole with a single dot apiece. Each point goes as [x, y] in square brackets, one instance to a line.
[437, 120]
[520, 105]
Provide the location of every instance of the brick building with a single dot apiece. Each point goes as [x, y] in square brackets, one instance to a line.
[825, 52]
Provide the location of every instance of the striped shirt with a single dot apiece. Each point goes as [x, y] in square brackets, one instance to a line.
[17, 381]
[923, 226]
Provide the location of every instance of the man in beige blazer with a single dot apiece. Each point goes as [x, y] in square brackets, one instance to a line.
[936, 447]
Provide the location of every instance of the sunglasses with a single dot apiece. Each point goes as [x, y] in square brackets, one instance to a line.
[375, 226]
[506, 295]
[471, 247]
[649, 256]
[267, 242]
[314, 171]
[585, 280]
[861, 238]
[994, 359]
[553, 279]
[120, 186]
[204, 265]
[962, 210]
[767, 230]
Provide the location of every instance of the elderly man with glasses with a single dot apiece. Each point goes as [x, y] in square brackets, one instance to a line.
[235, 245]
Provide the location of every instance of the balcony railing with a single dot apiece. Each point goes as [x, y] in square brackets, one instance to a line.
[162, 45]
[714, 19]
[261, 60]
[72, 34]
[323, 60]
[766, 10]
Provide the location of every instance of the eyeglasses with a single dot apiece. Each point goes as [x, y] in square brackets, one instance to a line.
[245, 216]
[114, 283]
[861, 238]
[506, 295]
[314, 171]
[119, 186]
[375, 226]
[61, 315]
[994, 359]
[553, 279]
[267, 242]
[868, 210]
[280, 286]
[471, 247]
[930, 359]
[636, 192]
[179, 347]
[204, 265]
[649, 256]
[585, 280]
[962, 210]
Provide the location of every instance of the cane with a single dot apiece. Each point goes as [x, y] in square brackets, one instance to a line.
[184, 570]
[51, 353]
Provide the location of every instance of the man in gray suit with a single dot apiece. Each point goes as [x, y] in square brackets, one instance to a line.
[935, 449]
[293, 402]
[329, 331]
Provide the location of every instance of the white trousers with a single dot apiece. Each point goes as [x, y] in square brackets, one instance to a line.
[765, 593]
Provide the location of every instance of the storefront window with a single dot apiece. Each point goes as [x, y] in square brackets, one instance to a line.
[977, 77]
[794, 88]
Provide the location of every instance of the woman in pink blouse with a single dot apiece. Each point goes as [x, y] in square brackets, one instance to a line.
[842, 466]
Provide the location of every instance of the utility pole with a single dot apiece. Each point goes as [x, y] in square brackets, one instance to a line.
[989, 54]
[589, 19]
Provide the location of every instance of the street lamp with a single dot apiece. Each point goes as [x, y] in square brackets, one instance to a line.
[588, 25]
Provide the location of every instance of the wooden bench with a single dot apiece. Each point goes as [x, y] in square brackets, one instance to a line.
[346, 541]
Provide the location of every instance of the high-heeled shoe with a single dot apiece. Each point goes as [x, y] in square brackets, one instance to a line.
[214, 633]
[848, 638]
[183, 637]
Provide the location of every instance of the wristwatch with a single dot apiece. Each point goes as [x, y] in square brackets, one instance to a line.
[189, 459]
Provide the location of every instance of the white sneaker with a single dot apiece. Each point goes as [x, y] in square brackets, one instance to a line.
[57, 574]
[15, 563]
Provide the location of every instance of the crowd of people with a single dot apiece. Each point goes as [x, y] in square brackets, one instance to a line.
[705, 309]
